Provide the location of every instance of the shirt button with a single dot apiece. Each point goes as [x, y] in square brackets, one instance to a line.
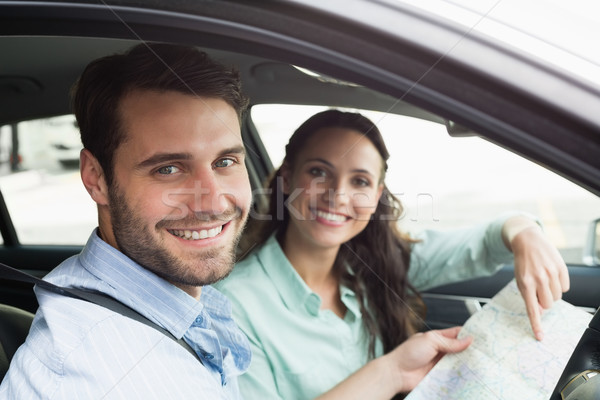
[208, 356]
[199, 319]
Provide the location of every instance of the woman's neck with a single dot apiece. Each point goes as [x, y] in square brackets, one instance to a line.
[313, 263]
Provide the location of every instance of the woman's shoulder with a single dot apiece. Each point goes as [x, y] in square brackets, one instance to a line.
[262, 267]
[248, 287]
[245, 272]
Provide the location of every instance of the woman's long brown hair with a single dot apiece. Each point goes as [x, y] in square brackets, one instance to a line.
[374, 264]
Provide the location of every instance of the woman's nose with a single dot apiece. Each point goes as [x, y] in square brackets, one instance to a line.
[335, 193]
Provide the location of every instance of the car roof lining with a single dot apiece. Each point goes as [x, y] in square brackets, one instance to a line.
[36, 83]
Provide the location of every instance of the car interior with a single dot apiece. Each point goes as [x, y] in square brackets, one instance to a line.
[36, 84]
[36, 74]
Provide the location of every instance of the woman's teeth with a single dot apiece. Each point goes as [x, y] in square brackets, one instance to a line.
[330, 216]
[196, 235]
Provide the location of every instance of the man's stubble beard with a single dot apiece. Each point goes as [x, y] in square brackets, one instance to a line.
[137, 242]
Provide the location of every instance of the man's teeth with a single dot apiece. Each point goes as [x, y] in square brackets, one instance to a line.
[331, 217]
[197, 235]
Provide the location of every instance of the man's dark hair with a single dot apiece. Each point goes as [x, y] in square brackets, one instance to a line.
[106, 81]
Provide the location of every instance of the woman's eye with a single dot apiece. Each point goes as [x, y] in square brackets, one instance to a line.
[223, 163]
[168, 170]
[361, 182]
[317, 172]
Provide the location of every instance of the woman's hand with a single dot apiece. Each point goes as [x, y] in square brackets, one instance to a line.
[414, 358]
[401, 369]
[542, 275]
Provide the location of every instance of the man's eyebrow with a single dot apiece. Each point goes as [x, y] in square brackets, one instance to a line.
[233, 150]
[357, 170]
[160, 158]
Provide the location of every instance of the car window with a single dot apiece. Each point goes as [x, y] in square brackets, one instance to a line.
[39, 179]
[448, 182]
[511, 22]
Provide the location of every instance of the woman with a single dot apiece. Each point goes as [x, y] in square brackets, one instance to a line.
[326, 289]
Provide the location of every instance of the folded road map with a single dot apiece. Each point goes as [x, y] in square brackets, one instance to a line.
[505, 361]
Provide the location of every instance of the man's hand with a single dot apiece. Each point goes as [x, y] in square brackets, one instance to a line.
[414, 358]
[542, 275]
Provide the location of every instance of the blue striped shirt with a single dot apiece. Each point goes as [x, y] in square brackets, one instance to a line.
[76, 349]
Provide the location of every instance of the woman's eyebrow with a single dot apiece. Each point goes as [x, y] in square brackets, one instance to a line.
[356, 170]
[363, 171]
[321, 161]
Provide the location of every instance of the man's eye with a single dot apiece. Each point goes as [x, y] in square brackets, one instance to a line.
[168, 170]
[224, 163]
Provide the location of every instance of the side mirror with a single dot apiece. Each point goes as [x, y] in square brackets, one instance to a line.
[591, 251]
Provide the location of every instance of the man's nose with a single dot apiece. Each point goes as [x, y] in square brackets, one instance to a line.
[207, 196]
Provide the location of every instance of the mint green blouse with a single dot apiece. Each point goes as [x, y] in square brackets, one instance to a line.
[300, 351]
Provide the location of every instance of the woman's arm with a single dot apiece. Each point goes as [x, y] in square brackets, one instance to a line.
[443, 257]
[540, 271]
[400, 370]
[455, 255]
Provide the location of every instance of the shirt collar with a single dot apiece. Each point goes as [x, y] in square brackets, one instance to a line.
[349, 299]
[140, 289]
[294, 292]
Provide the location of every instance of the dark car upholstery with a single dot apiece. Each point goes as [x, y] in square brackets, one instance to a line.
[14, 327]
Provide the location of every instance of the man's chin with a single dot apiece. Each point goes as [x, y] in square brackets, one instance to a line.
[222, 276]
[206, 271]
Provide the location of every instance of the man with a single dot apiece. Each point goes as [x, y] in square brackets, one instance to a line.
[163, 159]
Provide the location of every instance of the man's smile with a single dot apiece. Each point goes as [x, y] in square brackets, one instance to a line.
[190, 234]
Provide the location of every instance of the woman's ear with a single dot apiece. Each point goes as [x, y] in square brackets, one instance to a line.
[285, 173]
[93, 178]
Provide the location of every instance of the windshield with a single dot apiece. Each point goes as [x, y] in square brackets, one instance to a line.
[562, 33]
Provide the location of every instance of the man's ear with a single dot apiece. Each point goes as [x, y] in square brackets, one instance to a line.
[284, 172]
[93, 178]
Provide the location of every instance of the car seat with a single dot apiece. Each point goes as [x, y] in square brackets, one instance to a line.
[14, 327]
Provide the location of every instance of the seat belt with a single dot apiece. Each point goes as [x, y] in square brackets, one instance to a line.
[97, 298]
